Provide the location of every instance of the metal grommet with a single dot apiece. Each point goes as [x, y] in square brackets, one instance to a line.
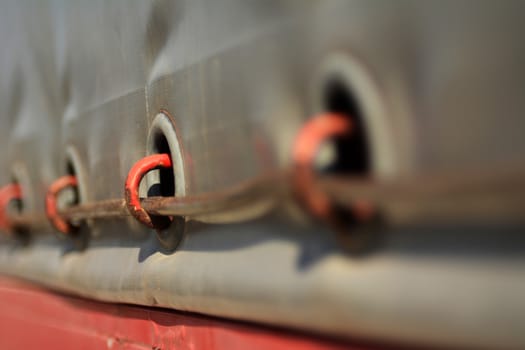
[347, 72]
[51, 203]
[8, 193]
[135, 175]
[163, 137]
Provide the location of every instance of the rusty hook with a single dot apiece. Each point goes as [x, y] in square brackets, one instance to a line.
[306, 145]
[51, 203]
[8, 193]
[135, 175]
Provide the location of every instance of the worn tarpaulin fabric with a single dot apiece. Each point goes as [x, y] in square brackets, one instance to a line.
[441, 83]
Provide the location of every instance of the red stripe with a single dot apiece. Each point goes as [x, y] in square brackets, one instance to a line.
[33, 318]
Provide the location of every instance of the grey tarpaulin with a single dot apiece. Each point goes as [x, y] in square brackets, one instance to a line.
[442, 85]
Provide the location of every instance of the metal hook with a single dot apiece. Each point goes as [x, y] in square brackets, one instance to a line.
[51, 203]
[8, 193]
[135, 175]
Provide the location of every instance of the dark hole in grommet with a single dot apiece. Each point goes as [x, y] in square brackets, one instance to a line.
[70, 170]
[352, 158]
[351, 151]
[78, 239]
[17, 204]
[166, 185]
[72, 198]
[22, 233]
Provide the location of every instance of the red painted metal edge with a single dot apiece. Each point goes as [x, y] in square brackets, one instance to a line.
[35, 318]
